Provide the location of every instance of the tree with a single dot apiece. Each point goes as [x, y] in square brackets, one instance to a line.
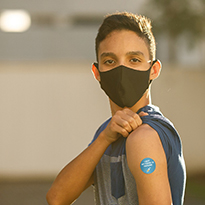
[175, 18]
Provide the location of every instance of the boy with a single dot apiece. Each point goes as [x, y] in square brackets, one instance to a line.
[135, 156]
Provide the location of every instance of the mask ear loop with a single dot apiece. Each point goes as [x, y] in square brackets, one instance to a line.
[150, 69]
[153, 62]
[96, 65]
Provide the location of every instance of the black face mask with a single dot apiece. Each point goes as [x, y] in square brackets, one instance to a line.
[123, 85]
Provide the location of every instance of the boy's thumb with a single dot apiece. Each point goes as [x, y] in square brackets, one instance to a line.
[142, 114]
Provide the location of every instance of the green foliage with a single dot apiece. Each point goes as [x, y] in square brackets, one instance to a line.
[175, 17]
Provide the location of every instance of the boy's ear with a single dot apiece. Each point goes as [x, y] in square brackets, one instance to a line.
[95, 72]
[155, 70]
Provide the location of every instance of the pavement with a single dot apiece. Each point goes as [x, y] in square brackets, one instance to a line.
[34, 193]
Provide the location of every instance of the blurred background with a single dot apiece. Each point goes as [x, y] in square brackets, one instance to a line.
[51, 106]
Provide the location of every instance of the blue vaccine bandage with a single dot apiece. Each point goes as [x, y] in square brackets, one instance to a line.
[148, 165]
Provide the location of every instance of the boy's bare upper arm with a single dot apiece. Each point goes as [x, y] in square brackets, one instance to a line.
[153, 187]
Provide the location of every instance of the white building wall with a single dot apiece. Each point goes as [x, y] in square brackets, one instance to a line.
[49, 113]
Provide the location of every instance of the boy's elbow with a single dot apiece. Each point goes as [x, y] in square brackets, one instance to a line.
[53, 199]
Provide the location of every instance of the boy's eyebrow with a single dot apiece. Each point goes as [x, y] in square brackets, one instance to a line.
[138, 53]
[107, 54]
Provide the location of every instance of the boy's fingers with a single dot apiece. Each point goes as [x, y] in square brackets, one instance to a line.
[141, 114]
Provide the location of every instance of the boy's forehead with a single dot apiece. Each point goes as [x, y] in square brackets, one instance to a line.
[123, 42]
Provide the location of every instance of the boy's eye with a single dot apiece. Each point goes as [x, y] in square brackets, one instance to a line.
[135, 60]
[109, 62]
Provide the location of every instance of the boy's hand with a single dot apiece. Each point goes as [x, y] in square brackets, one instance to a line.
[122, 123]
